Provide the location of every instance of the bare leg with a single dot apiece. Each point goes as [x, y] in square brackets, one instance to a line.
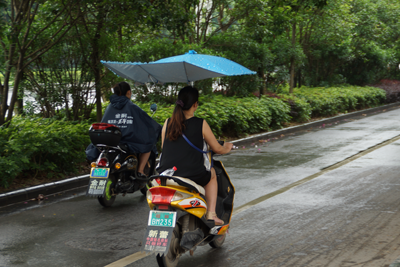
[211, 198]
[143, 158]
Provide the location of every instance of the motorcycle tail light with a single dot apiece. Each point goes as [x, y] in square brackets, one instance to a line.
[161, 195]
[101, 126]
[103, 162]
[179, 196]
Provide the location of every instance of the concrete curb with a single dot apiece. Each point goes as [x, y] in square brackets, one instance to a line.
[72, 183]
[44, 189]
[309, 125]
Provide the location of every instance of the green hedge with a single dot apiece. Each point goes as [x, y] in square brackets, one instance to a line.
[334, 100]
[300, 109]
[234, 116]
[38, 146]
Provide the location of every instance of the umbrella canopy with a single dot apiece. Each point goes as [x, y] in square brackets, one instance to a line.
[185, 68]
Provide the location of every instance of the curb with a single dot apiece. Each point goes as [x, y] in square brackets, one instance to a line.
[306, 126]
[72, 183]
[44, 189]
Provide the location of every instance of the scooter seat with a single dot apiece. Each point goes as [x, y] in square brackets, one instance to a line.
[180, 181]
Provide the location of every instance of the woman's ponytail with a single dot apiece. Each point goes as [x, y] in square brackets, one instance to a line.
[177, 123]
[186, 98]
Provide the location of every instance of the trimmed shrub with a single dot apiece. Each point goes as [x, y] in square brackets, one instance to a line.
[233, 115]
[41, 146]
[333, 100]
[300, 109]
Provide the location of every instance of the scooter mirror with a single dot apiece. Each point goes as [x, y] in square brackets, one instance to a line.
[153, 107]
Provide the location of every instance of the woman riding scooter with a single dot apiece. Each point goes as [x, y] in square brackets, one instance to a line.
[176, 151]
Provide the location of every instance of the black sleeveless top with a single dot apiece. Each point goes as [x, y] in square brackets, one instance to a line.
[188, 161]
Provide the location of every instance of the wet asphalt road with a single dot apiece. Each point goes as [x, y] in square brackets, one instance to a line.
[348, 216]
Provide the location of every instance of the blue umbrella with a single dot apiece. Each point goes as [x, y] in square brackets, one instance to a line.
[185, 68]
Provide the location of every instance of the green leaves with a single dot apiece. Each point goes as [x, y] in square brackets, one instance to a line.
[234, 116]
[38, 146]
[333, 100]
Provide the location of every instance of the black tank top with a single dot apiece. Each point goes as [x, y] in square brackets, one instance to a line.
[188, 161]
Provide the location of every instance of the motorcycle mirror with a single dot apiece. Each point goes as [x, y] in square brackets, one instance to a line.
[153, 107]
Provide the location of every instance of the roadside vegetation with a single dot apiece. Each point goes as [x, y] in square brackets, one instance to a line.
[39, 149]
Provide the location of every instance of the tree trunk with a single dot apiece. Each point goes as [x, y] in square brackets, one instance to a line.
[260, 73]
[291, 82]
[4, 95]
[299, 81]
[96, 64]
[292, 60]
[67, 111]
[1, 91]
[19, 103]
[14, 95]
[6, 87]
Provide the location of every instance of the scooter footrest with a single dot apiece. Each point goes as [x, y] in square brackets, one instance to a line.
[190, 239]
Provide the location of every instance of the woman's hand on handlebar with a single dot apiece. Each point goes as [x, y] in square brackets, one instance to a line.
[228, 146]
[215, 145]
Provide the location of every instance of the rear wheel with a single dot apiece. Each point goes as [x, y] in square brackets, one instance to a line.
[172, 257]
[217, 243]
[108, 199]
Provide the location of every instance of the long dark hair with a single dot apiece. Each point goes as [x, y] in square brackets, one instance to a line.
[120, 89]
[186, 98]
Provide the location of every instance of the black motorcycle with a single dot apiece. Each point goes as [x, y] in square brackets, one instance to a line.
[115, 169]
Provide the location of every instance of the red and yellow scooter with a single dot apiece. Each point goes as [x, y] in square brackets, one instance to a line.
[177, 220]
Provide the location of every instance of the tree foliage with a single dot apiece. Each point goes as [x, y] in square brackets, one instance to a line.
[52, 49]
[32, 28]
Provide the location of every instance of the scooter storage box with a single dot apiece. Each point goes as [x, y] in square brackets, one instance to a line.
[105, 134]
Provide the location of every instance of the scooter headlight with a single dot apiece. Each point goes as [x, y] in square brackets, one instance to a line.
[179, 196]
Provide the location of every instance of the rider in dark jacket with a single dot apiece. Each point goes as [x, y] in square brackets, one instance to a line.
[139, 131]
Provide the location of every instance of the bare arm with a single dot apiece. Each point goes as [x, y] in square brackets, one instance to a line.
[212, 141]
[163, 133]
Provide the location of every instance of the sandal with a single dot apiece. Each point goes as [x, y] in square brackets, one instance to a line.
[213, 217]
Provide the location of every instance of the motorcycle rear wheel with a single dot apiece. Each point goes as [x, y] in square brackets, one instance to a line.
[217, 243]
[172, 257]
[108, 199]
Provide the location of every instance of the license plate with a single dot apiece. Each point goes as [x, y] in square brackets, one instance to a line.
[99, 173]
[162, 218]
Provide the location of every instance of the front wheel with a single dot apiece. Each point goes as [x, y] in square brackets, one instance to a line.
[172, 257]
[108, 199]
[217, 243]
